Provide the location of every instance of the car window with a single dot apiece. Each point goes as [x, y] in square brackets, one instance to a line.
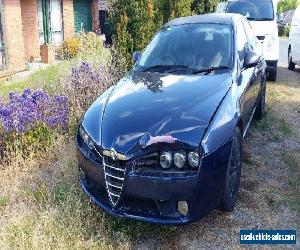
[253, 10]
[241, 41]
[196, 46]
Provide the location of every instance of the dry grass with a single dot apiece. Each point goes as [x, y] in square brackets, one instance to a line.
[42, 205]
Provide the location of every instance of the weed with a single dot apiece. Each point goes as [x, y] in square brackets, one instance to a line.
[4, 200]
[40, 194]
[133, 229]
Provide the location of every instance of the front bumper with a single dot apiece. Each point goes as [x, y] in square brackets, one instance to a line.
[154, 198]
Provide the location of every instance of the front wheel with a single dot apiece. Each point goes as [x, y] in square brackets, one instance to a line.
[233, 175]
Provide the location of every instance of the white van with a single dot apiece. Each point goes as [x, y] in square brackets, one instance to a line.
[262, 16]
[294, 39]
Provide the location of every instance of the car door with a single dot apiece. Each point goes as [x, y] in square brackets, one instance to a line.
[254, 45]
[295, 37]
[247, 78]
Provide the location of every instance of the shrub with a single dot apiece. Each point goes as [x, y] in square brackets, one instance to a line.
[82, 46]
[135, 22]
[90, 43]
[28, 121]
[286, 5]
[84, 85]
[69, 49]
[287, 29]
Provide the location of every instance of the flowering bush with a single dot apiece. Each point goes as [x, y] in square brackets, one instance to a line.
[28, 121]
[69, 48]
[82, 45]
[84, 86]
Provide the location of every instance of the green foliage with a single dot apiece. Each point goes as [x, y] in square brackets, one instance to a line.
[81, 46]
[21, 146]
[273, 128]
[286, 30]
[4, 200]
[135, 22]
[204, 6]
[285, 5]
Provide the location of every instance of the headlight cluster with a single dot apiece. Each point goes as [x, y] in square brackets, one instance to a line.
[86, 138]
[179, 159]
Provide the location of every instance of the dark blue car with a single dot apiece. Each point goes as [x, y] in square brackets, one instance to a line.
[164, 144]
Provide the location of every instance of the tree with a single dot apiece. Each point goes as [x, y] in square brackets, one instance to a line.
[134, 22]
[204, 6]
[286, 5]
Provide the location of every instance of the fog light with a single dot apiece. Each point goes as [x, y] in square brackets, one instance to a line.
[183, 207]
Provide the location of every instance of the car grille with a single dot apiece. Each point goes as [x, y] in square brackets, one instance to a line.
[114, 171]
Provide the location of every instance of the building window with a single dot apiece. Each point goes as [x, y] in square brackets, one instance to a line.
[50, 21]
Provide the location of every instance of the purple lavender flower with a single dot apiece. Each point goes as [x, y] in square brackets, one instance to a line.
[28, 110]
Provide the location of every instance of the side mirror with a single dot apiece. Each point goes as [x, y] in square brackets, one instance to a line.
[251, 59]
[136, 56]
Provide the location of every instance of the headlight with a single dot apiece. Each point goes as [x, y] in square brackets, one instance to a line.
[86, 138]
[179, 159]
[166, 160]
[193, 159]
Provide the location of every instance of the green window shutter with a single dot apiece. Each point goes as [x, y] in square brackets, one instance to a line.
[82, 15]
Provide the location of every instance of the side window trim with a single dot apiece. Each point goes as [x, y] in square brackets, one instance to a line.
[240, 31]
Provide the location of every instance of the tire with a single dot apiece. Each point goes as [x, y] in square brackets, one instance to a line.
[291, 65]
[272, 75]
[260, 109]
[233, 175]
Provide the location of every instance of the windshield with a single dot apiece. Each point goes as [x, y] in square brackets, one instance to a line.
[253, 10]
[189, 46]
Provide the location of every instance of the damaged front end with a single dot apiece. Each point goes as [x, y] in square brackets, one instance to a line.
[148, 186]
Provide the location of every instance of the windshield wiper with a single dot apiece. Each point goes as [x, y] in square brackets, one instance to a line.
[209, 70]
[166, 67]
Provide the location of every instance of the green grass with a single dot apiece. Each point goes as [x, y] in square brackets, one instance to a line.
[49, 79]
[273, 128]
[292, 198]
[4, 200]
[46, 79]
[132, 230]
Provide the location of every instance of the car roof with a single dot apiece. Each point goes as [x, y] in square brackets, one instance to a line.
[225, 18]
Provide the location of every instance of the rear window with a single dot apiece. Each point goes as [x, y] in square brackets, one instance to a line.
[253, 10]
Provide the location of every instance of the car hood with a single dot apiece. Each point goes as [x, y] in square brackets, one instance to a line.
[145, 110]
[264, 28]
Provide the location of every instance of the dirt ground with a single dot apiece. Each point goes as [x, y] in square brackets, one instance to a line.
[42, 206]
